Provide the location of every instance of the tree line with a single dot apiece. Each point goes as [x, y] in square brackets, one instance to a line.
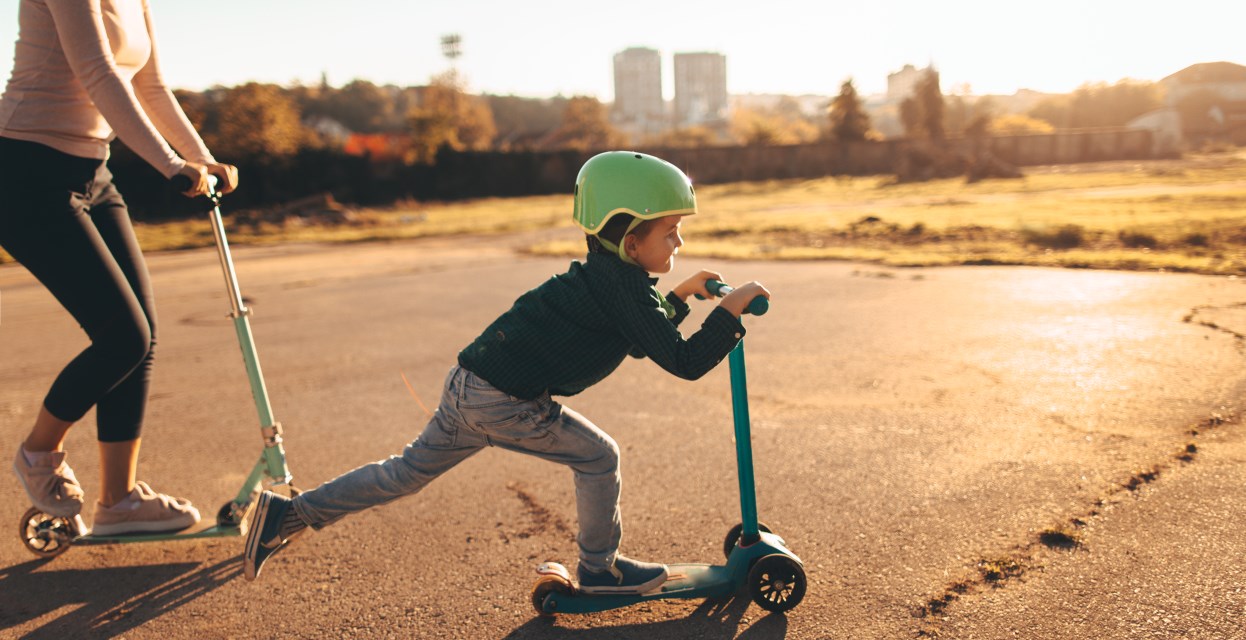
[353, 139]
[412, 124]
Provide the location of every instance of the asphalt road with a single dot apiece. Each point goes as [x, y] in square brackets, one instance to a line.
[954, 452]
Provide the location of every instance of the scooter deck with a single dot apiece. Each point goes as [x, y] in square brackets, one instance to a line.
[210, 532]
[683, 581]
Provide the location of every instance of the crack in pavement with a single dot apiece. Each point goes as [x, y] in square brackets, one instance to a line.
[1192, 317]
[542, 518]
[997, 572]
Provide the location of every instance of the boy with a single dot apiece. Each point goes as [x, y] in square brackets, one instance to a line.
[557, 340]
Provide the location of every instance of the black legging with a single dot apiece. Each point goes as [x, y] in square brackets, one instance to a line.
[62, 218]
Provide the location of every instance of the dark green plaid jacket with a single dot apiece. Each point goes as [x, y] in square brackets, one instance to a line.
[573, 330]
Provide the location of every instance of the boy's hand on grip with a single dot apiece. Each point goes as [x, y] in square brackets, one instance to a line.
[695, 285]
[737, 301]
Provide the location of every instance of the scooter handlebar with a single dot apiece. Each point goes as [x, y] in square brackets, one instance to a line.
[757, 306]
[181, 183]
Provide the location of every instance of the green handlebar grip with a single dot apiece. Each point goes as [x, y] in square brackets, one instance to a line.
[757, 306]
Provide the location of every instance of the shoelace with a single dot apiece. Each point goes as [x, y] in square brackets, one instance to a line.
[64, 482]
[67, 488]
[146, 493]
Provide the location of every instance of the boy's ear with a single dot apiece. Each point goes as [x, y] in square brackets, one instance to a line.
[629, 244]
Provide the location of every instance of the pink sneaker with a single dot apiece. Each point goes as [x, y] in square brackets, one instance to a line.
[49, 483]
[144, 511]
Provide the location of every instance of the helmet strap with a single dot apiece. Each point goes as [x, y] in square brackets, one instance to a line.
[619, 249]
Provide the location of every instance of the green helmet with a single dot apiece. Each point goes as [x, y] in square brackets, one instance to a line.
[640, 185]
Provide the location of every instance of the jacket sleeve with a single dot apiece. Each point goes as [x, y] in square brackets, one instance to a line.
[80, 29]
[681, 311]
[642, 321]
[681, 308]
[160, 105]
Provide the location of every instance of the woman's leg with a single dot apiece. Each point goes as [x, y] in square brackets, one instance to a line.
[44, 225]
[48, 433]
[119, 413]
[126, 505]
[66, 253]
[118, 468]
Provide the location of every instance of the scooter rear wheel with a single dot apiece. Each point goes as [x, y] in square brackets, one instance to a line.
[733, 537]
[45, 535]
[777, 583]
[545, 586]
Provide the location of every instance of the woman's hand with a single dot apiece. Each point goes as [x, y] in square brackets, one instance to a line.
[696, 285]
[198, 175]
[737, 301]
[226, 176]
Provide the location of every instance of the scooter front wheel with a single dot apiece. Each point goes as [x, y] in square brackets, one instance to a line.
[777, 583]
[543, 588]
[44, 535]
[733, 537]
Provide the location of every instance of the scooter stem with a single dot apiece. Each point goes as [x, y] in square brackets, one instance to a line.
[744, 446]
[272, 462]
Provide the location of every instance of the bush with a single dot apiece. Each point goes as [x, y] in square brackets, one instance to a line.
[1016, 124]
[1138, 240]
[1197, 240]
[1068, 236]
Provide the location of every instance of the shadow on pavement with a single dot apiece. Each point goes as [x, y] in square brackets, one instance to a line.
[712, 619]
[101, 603]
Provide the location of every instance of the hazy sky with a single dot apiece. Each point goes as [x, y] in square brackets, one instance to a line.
[775, 46]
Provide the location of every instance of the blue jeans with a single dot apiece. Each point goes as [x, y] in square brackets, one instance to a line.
[473, 415]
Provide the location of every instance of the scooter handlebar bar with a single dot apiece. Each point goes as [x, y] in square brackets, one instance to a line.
[757, 306]
[181, 183]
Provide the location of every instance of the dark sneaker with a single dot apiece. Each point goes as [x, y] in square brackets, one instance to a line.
[264, 537]
[625, 576]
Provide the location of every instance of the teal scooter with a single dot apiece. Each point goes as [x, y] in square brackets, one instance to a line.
[48, 536]
[757, 559]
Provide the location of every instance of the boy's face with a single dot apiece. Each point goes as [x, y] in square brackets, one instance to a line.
[655, 252]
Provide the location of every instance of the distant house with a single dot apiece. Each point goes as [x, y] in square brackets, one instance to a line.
[379, 147]
[329, 129]
[1224, 78]
[1203, 103]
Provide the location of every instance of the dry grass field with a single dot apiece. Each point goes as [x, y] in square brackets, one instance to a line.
[1180, 215]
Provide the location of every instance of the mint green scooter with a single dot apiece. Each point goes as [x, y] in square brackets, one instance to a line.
[757, 559]
[48, 536]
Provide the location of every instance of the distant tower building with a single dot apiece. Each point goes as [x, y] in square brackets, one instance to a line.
[638, 87]
[902, 83]
[700, 88]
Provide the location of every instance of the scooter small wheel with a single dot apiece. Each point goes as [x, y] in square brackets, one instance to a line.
[225, 516]
[44, 535]
[733, 537]
[777, 583]
[543, 588]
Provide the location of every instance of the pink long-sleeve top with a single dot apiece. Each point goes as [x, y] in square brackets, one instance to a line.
[85, 71]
